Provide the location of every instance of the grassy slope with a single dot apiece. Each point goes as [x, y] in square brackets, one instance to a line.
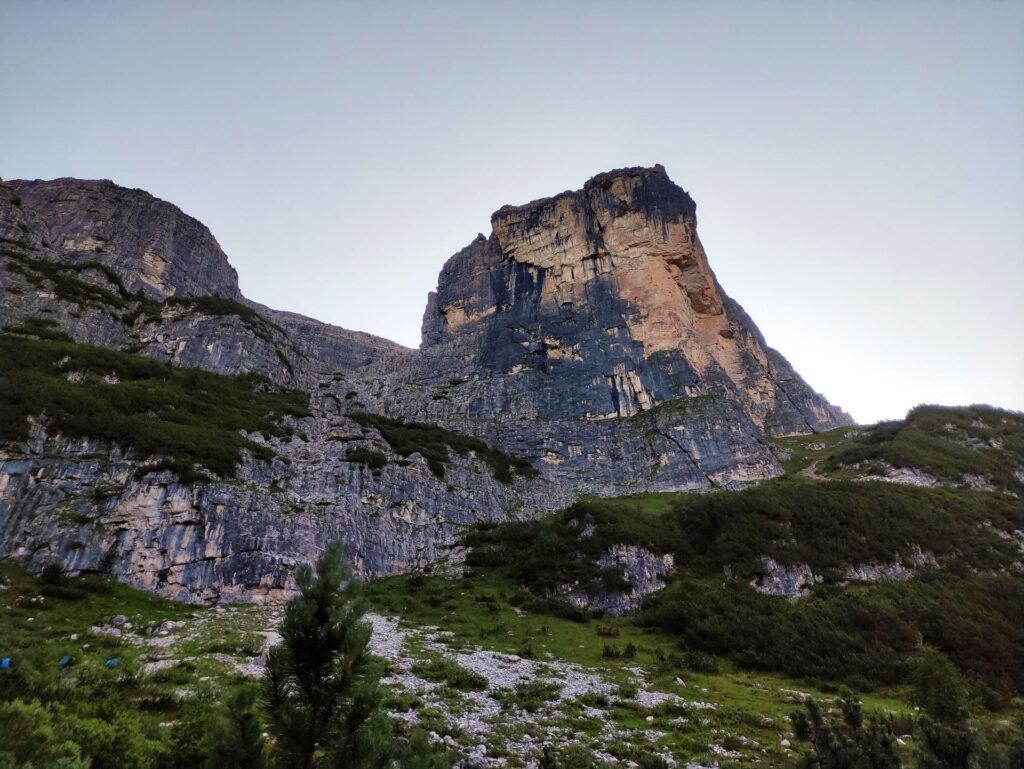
[479, 611]
[192, 417]
[117, 715]
[946, 443]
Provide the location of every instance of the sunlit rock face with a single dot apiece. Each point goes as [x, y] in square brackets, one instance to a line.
[607, 290]
[586, 334]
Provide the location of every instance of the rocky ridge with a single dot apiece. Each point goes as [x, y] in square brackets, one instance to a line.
[586, 334]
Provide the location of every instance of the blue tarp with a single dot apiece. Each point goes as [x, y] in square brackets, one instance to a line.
[5, 663]
[65, 661]
[112, 662]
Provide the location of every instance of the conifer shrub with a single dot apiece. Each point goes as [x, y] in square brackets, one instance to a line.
[434, 444]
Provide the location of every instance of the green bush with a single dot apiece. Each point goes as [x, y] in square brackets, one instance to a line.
[443, 669]
[433, 443]
[373, 459]
[529, 695]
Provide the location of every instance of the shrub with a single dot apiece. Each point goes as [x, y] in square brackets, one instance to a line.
[433, 443]
[320, 686]
[373, 459]
[529, 695]
[845, 742]
[446, 670]
[52, 575]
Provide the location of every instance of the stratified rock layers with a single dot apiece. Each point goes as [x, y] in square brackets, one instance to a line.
[608, 291]
[587, 334]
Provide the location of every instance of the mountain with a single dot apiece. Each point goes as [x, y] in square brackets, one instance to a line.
[162, 428]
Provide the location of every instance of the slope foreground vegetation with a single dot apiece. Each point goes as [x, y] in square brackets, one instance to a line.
[967, 604]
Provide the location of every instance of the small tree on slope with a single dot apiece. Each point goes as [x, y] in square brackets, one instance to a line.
[321, 685]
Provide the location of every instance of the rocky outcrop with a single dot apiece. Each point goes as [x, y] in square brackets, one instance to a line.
[586, 334]
[151, 244]
[643, 570]
[797, 581]
[608, 291]
[790, 582]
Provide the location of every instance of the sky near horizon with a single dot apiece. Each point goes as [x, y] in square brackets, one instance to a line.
[858, 167]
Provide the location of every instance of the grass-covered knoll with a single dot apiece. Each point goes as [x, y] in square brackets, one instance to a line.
[970, 609]
[191, 417]
[947, 443]
[434, 443]
[827, 525]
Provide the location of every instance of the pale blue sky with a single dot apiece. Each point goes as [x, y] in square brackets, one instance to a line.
[858, 168]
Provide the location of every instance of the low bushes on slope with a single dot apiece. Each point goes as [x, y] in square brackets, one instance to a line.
[861, 635]
[947, 443]
[828, 526]
[191, 417]
[969, 609]
[832, 525]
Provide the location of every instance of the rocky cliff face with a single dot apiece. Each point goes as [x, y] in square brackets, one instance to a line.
[586, 334]
[608, 291]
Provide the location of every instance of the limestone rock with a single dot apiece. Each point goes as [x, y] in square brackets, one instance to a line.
[587, 333]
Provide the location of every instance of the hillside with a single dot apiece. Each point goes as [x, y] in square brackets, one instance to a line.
[659, 627]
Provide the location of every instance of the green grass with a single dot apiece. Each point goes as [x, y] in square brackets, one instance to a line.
[484, 609]
[801, 456]
[190, 417]
[113, 715]
[434, 443]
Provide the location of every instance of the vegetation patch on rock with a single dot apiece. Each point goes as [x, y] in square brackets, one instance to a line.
[191, 417]
[434, 442]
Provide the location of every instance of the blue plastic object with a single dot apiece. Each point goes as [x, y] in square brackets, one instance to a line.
[65, 661]
[5, 663]
[113, 662]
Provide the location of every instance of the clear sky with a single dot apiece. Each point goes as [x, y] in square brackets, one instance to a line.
[858, 167]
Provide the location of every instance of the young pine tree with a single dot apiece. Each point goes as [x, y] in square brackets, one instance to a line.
[321, 687]
[847, 742]
[238, 742]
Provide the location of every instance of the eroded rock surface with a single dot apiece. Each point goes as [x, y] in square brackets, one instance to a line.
[586, 334]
